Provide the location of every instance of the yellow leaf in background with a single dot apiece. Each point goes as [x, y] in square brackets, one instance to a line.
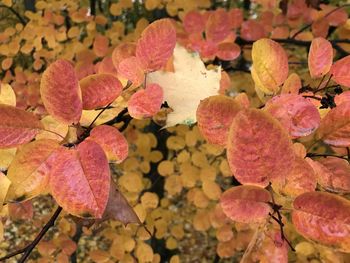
[7, 2]
[6, 157]
[152, 4]
[4, 187]
[7, 95]
[50, 124]
[187, 86]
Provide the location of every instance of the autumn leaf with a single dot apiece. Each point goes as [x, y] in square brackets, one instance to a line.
[323, 217]
[4, 186]
[98, 90]
[60, 92]
[320, 57]
[214, 116]
[259, 150]
[29, 170]
[156, 45]
[246, 203]
[17, 126]
[112, 142]
[187, 86]
[340, 71]
[80, 180]
[270, 63]
[335, 126]
[7, 95]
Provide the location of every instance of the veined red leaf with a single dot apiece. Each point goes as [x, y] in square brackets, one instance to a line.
[235, 17]
[228, 51]
[340, 71]
[194, 22]
[335, 126]
[156, 44]
[333, 174]
[343, 97]
[246, 203]
[17, 126]
[29, 170]
[323, 217]
[99, 89]
[297, 115]
[80, 180]
[214, 117]
[259, 150]
[146, 102]
[320, 57]
[112, 142]
[130, 68]
[60, 92]
[217, 27]
[270, 63]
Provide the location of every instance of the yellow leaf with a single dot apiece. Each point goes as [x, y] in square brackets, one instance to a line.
[7, 95]
[4, 186]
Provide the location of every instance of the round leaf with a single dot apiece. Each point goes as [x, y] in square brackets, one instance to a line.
[320, 57]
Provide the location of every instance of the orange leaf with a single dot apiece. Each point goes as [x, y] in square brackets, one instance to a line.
[131, 69]
[146, 102]
[323, 217]
[194, 22]
[60, 92]
[332, 173]
[228, 51]
[259, 150]
[270, 62]
[292, 84]
[98, 90]
[297, 115]
[214, 116]
[123, 51]
[17, 126]
[335, 126]
[112, 142]
[320, 57]
[80, 180]
[156, 44]
[29, 170]
[21, 211]
[340, 71]
[246, 203]
[217, 28]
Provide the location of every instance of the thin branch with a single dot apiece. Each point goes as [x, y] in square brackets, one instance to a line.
[325, 155]
[21, 19]
[309, 25]
[27, 250]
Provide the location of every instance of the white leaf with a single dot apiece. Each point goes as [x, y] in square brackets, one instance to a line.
[187, 86]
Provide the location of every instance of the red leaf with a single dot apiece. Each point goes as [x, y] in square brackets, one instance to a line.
[252, 30]
[235, 17]
[323, 217]
[214, 117]
[297, 115]
[320, 57]
[335, 126]
[228, 51]
[156, 44]
[131, 69]
[146, 102]
[123, 51]
[17, 126]
[80, 180]
[194, 22]
[98, 90]
[217, 28]
[112, 142]
[60, 92]
[340, 71]
[246, 203]
[259, 150]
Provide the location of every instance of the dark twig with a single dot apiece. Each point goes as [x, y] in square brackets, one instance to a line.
[309, 25]
[21, 19]
[27, 250]
[326, 155]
